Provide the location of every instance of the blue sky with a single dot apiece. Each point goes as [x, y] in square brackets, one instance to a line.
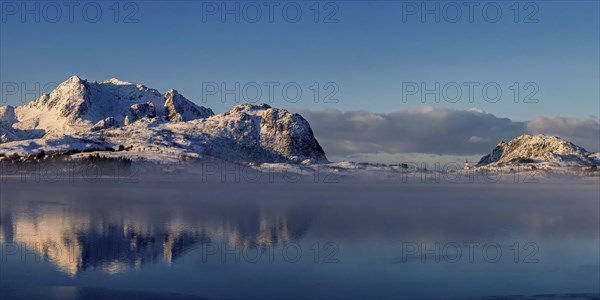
[368, 53]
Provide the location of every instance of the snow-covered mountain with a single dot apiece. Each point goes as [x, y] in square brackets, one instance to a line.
[80, 115]
[539, 149]
[77, 106]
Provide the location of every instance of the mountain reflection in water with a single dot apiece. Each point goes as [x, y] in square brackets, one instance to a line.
[78, 232]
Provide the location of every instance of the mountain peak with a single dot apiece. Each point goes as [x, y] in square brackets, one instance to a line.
[178, 108]
[73, 78]
[536, 148]
[171, 94]
[72, 82]
[250, 107]
[116, 81]
[538, 136]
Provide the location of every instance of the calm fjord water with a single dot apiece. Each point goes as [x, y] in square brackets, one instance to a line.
[346, 240]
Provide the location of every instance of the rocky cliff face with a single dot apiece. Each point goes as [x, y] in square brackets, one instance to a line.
[178, 108]
[139, 111]
[263, 133]
[495, 155]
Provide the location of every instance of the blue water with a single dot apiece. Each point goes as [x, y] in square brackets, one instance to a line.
[181, 238]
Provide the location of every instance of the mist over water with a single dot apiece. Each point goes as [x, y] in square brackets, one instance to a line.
[185, 237]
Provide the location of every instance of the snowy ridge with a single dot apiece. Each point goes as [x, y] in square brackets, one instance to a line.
[539, 149]
[82, 115]
[76, 106]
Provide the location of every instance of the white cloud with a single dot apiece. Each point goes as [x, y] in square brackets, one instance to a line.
[478, 139]
[433, 131]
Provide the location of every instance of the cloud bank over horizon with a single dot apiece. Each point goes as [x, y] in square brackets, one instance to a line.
[436, 134]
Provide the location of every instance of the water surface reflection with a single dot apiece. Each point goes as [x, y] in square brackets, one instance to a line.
[345, 240]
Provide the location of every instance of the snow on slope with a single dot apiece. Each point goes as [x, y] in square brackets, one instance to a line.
[538, 149]
[81, 115]
[76, 106]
